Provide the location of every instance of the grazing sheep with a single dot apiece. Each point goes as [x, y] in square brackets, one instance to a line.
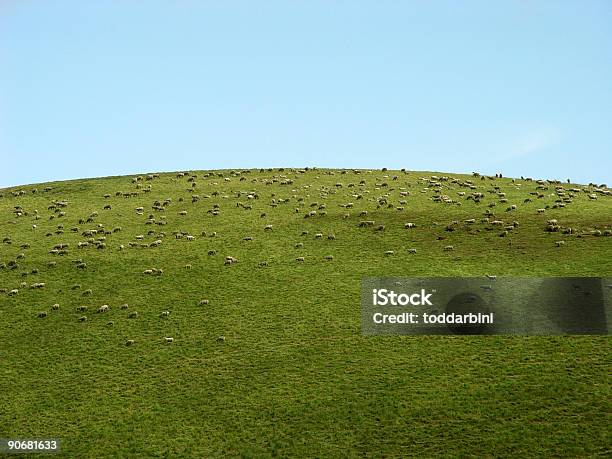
[329, 257]
[491, 277]
[380, 228]
[304, 233]
[110, 323]
[300, 259]
[412, 250]
[409, 225]
[132, 315]
[389, 252]
[229, 260]
[55, 307]
[83, 319]
[87, 292]
[268, 228]
[318, 235]
[103, 308]
[129, 342]
[42, 314]
[560, 243]
[168, 340]
[165, 314]
[263, 263]
[221, 339]
[204, 302]
[448, 248]
[541, 211]
[124, 306]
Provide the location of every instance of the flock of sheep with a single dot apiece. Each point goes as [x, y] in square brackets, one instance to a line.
[296, 194]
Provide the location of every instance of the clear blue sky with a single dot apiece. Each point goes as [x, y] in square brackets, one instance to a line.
[95, 88]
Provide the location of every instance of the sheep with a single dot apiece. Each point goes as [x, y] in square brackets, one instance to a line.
[83, 319]
[204, 302]
[187, 266]
[133, 315]
[389, 252]
[189, 237]
[560, 243]
[491, 277]
[448, 248]
[168, 340]
[300, 259]
[329, 257]
[268, 228]
[124, 306]
[110, 323]
[409, 225]
[541, 211]
[103, 308]
[412, 250]
[42, 314]
[165, 314]
[221, 339]
[55, 307]
[129, 342]
[331, 237]
[87, 292]
[318, 235]
[81, 308]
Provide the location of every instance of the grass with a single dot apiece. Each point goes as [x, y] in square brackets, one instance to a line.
[294, 376]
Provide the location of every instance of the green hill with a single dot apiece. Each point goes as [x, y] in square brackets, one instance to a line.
[273, 363]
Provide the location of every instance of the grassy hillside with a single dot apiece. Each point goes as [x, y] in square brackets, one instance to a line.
[293, 376]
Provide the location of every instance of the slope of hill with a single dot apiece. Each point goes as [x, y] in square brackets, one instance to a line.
[273, 361]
